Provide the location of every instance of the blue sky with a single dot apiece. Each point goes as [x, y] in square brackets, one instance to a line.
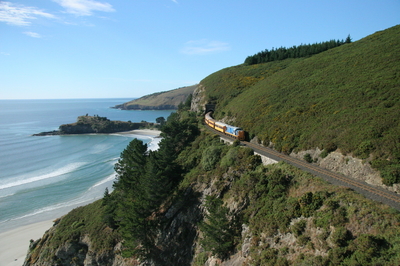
[130, 48]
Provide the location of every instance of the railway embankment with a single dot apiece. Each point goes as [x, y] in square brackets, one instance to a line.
[347, 165]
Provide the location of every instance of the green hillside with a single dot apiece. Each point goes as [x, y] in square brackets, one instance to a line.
[347, 97]
[166, 100]
[198, 201]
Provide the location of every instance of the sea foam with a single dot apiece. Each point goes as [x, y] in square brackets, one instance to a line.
[61, 171]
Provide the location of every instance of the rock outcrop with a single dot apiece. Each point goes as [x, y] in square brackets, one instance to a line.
[74, 252]
[198, 99]
[94, 124]
[348, 166]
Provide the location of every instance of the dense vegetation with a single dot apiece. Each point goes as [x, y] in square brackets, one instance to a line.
[271, 215]
[145, 179]
[302, 50]
[292, 216]
[54, 247]
[347, 97]
[99, 124]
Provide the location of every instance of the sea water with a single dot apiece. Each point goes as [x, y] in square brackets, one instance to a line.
[43, 177]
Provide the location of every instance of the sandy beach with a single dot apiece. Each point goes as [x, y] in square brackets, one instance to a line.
[14, 244]
[143, 132]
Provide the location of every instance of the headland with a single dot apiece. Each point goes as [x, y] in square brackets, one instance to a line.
[95, 124]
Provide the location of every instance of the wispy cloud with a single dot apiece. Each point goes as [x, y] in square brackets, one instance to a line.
[32, 34]
[204, 46]
[84, 7]
[175, 1]
[20, 15]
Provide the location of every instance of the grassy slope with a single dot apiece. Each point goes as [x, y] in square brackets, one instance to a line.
[348, 96]
[173, 97]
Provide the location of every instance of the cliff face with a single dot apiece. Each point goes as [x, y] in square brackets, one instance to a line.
[74, 252]
[347, 165]
[198, 99]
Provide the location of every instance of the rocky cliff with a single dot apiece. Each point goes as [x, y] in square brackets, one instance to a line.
[198, 99]
[279, 216]
[76, 239]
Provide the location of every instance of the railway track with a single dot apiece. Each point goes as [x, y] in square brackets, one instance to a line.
[369, 191]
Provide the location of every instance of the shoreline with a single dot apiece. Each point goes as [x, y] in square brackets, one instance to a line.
[142, 132]
[15, 243]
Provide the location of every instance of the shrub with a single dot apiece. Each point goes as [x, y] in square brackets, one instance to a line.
[364, 149]
[341, 236]
[391, 174]
[310, 202]
[299, 227]
[330, 147]
[307, 157]
[210, 157]
[324, 153]
[366, 249]
[303, 240]
[201, 259]
[229, 158]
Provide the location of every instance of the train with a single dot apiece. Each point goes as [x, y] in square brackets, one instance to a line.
[229, 130]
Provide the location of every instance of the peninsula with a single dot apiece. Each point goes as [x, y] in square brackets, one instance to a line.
[94, 124]
[166, 100]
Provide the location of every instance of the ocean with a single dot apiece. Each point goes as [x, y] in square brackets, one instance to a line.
[44, 177]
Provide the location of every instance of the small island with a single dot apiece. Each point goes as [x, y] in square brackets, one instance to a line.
[95, 124]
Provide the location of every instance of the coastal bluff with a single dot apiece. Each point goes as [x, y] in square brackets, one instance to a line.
[167, 100]
[94, 124]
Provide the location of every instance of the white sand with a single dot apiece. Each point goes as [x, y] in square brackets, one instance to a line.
[14, 244]
[144, 132]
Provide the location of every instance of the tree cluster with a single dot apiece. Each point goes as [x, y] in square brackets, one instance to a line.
[218, 232]
[185, 106]
[145, 179]
[302, 50]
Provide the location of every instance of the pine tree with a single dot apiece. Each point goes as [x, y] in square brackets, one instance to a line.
[218, 236]
[348, 39]
[144, 181]
[131, 166]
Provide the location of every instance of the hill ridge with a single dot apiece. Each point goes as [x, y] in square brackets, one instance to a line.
[166, 100]
[347, 97]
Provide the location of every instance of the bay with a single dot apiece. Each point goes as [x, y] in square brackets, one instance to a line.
[44, 177]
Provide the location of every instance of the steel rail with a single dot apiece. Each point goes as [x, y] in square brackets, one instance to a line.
[378, 194]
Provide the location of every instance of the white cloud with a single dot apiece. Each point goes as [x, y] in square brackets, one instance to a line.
[175, 1]
[33, 34]
[204, 46]
[84, 7]
[20, 15]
